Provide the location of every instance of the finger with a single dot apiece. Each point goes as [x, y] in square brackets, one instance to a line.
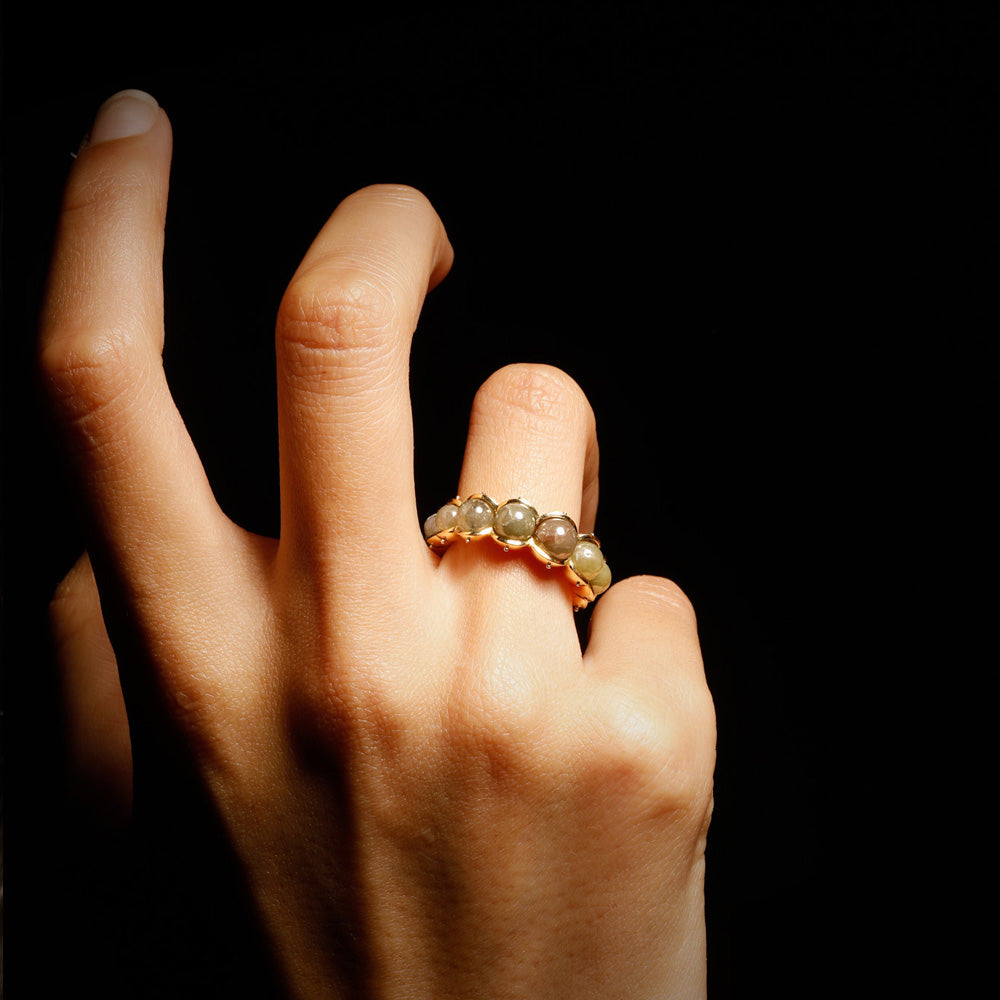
[643, 645]
[532, 436]
[343, 342]
[97, 735]
[101, 338]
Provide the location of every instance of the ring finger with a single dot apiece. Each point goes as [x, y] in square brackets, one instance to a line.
[532, 436]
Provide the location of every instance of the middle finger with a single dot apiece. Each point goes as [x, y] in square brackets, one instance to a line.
[343, 342]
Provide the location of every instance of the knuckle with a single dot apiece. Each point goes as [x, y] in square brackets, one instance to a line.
[106, 185]
[543, 396]
[323, 315]
[663, 766]
[347, 700]
[92, 377]
[501, 729]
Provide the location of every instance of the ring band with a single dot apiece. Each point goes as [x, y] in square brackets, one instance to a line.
[553, 538]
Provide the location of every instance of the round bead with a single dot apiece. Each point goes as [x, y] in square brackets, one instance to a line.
[515, 521]
[556, 536]
[474, 516]
[445, 518]
[430, 526]
[602, 581]
[587, 559]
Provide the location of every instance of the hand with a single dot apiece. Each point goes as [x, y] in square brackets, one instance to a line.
[432, 790]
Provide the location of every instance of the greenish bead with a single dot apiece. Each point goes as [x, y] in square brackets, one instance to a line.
[475, 515]
[587, 559]
[445, 518]
[556, 536]
[602, 581]
[515, 521]
[430, 526]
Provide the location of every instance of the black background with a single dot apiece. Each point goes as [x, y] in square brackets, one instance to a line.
[745, 230]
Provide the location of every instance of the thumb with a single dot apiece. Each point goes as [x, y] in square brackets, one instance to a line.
[97, 734]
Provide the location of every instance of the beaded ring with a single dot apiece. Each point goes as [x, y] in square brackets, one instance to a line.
[553, 538]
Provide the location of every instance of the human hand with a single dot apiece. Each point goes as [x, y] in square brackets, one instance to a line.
[433, 791]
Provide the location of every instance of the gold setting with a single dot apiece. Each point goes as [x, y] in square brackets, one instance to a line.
[583, 591]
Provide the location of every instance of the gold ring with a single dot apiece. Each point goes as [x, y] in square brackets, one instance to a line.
[553, 538]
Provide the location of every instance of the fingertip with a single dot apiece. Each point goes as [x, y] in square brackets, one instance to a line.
[647, 601]
[75, 594]
[123, 115]
[443, 262]
[661, 595]
[413, 200]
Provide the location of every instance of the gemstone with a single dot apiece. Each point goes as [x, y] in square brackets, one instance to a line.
[445, 518]
[556, 536]
[475, 516]
[602, 581]
[587, 559]
[430, 526]
[515, 521]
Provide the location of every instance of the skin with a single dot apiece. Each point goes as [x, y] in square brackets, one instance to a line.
[428, 798]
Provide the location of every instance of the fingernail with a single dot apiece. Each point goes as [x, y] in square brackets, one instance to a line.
[129, 112]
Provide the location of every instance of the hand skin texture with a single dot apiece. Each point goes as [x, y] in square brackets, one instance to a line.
[430, 798]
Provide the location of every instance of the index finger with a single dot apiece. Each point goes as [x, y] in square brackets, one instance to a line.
[100, 345]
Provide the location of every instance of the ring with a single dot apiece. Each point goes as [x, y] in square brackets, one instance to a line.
[553, 538]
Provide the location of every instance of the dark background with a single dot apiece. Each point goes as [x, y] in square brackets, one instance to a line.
[745, 229]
